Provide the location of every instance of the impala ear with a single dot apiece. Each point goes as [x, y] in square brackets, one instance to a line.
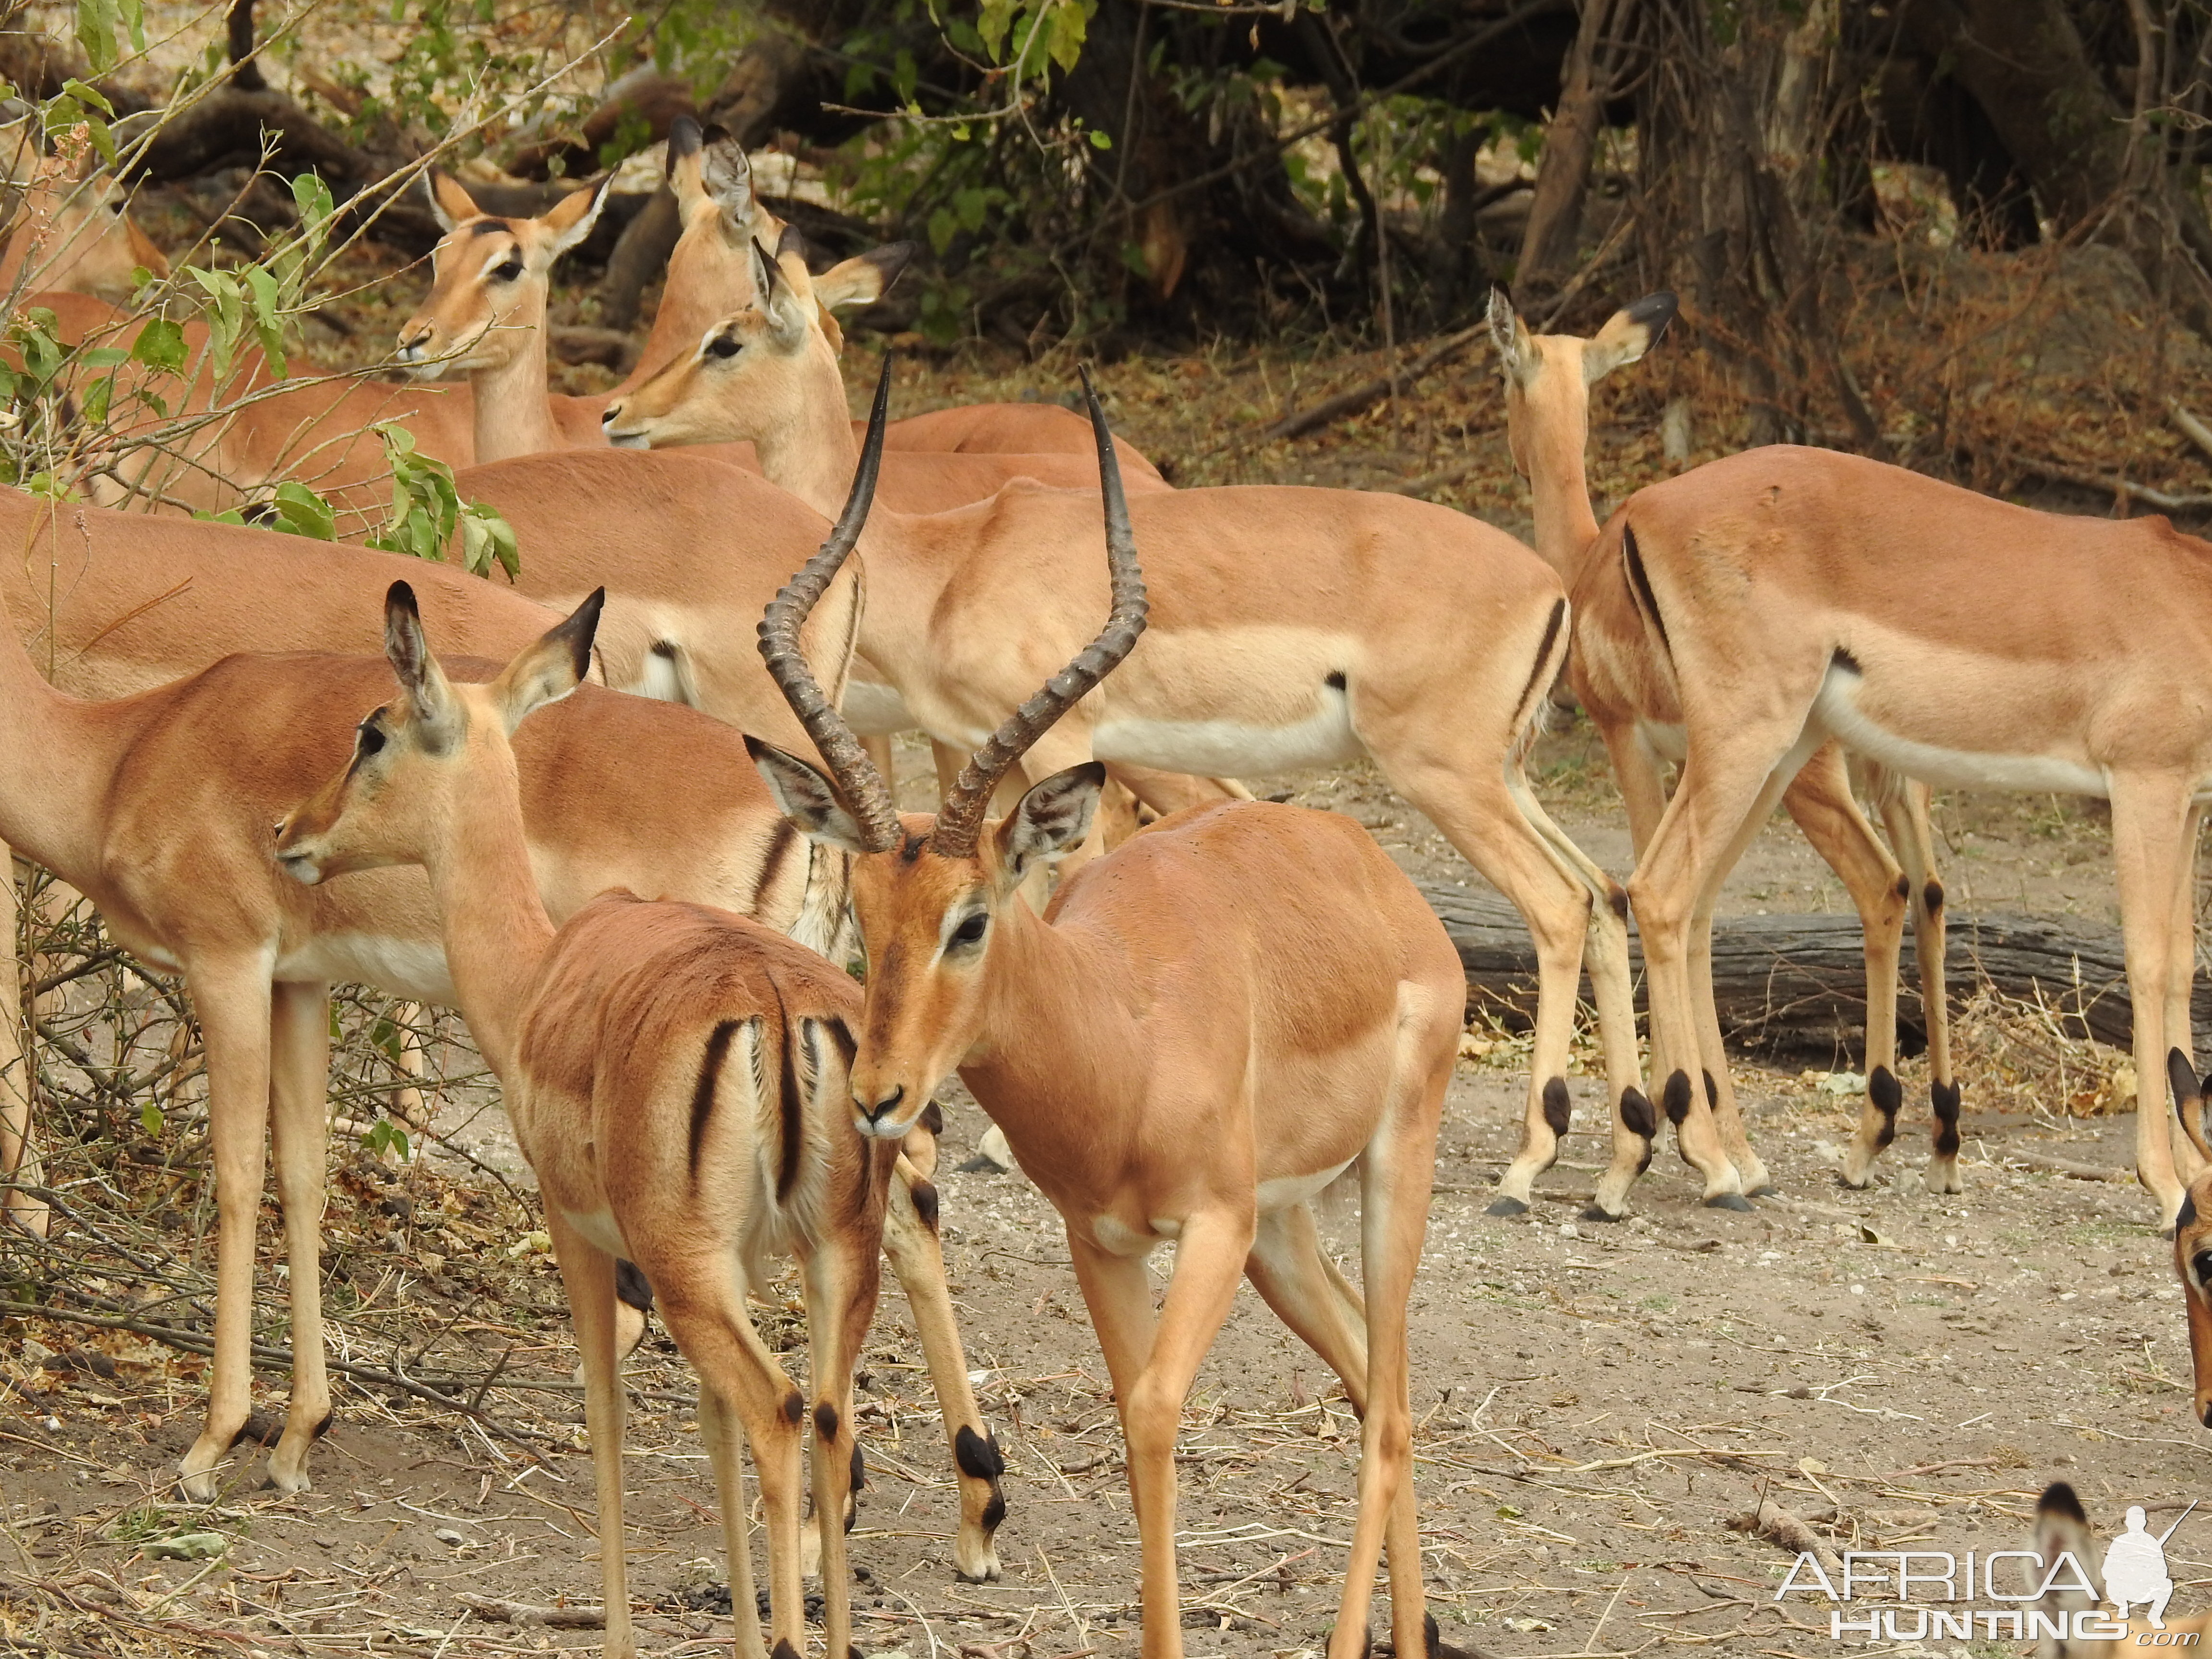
[779, 300]
[862, 281]
[572, 217]
[449, 201]
[431, 713]
[1627, 335]
[807, 797]
[726, 175]
[1517, 352]
[1051, 821]
[549, 669]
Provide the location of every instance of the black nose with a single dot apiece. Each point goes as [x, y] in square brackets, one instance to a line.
[886, 1106]
[607, 415]
[280, 828]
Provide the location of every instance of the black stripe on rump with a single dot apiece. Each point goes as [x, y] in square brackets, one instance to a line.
[702, 1094]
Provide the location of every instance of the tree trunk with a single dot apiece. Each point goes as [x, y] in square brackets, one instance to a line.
[1549, 241]
[1799, 982]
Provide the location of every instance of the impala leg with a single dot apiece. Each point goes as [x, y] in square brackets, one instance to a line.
[1905, 815]
[587, 1275]
[2150, 815]
[1719, 1087]
[1820, 798]
[1209, 1258]
[300, 1070]
[843, 1273]
[1725, 796]
[1482, 820]
[19, 1164]
[2181, 973]
[232, 999]
[702, 1304]
[910, 1240]
[1605, 955]
[721, 1431]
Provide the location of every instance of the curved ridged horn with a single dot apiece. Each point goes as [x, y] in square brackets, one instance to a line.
[854, 773]
[961, 818]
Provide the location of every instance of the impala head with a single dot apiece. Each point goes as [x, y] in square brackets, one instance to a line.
[492, 276]
[415, 759]
[1548, 376]
[73, 229]
[932, 895]
[746, 376]
[2192, 1231]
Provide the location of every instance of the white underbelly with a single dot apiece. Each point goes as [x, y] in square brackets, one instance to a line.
[1667, 743]
[1836, 711]
[399, 967]
[1232, 748]
[1285, 1190]
[599, 1229]
[873, 709]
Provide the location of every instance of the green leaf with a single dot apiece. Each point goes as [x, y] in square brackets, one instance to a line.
[268, 306]
[102, 356]
[150, 1118]
[486, 539]
[312, 198]
[161, 345]
[1100, 140]
[300, 512]
[943, 228]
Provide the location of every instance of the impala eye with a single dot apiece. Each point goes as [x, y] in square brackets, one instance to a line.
[2202, 1264]
[724, 346]
[508, 272]
[971, 930]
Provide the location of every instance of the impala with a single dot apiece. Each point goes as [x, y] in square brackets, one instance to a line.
[1547, 381]
[1208, 1027]
[1291, 628]
[1793, 596]
[157, 805]
[2192, 1229]
[72, 234]
[677, 1076]
[2062, 1527]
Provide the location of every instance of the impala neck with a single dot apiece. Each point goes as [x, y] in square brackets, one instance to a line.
[804, 436]
[514, 401]
[496, 929]
[58, 757]
[1558, 485]
[1051, 1014]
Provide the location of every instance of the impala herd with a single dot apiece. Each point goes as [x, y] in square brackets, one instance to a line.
[643, 904]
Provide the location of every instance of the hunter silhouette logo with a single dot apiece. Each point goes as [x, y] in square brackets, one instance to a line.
[2045, 1593]
[2135, 1569]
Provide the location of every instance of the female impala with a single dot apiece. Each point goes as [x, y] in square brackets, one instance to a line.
[1291, 628]
[676, 1078]
[1789, 597]
[1548, 382]
[1207, 1028]
[157, 806]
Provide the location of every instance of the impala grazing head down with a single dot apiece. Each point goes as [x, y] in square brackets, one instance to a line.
[482, 309]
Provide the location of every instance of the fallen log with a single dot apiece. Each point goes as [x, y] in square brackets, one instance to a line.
[1799, 981]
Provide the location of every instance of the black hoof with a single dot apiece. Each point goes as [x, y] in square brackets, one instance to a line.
[1592, 1213]
[980, 1164]
[1506, 1206]
[1728, 1201]
[1770, 1190]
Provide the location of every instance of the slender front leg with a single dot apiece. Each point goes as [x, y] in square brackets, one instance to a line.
[2181, 971]
[722, 1431]
[1209, 1261]
[2149, 816]
[300, 1068]
[910, 1241]
[587, 1274]
[842, 1272]
[231, 997]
